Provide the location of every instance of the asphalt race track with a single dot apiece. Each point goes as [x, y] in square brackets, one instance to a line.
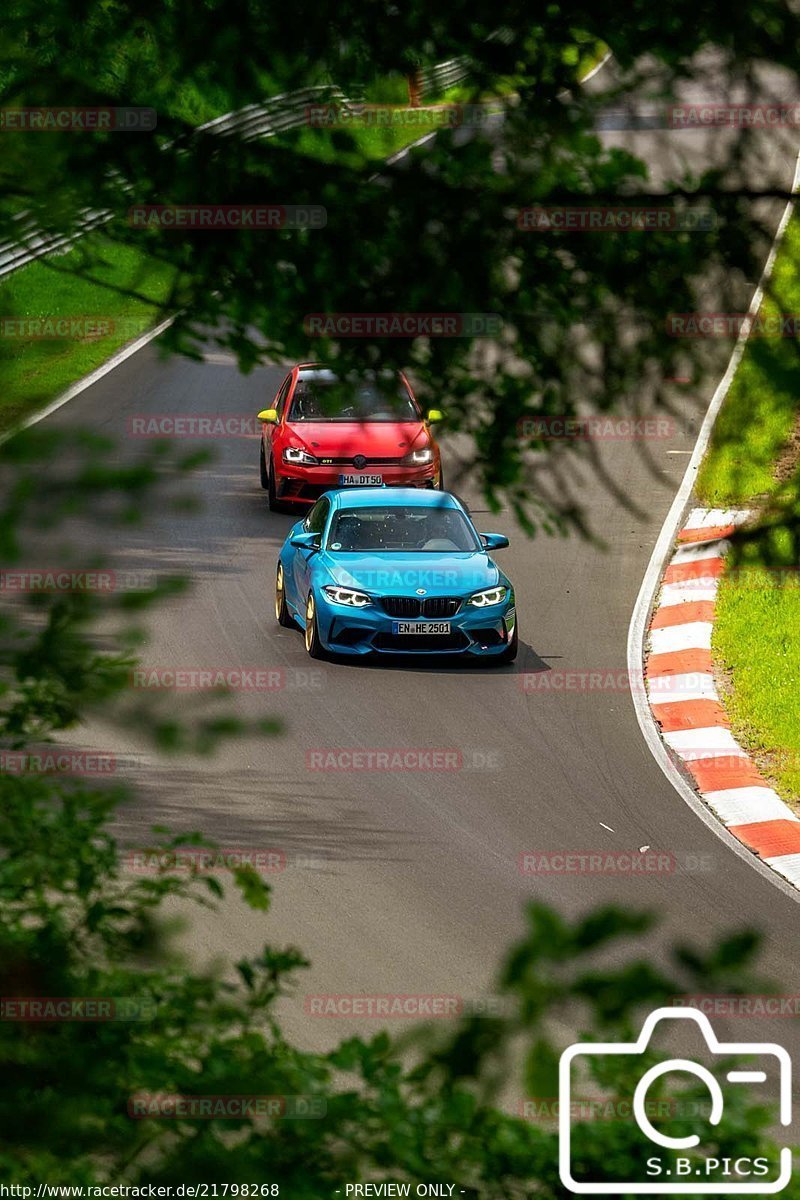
[408, 881]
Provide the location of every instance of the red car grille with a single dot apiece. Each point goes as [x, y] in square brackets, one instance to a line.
[369, 462]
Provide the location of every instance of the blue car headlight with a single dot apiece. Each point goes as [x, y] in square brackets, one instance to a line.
[495, 595]
[346, 596]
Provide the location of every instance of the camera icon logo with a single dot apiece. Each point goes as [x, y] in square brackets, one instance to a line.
[669, 1170]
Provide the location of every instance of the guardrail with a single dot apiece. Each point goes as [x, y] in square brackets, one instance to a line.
[276, 115]
[31, 243]
[442, 76]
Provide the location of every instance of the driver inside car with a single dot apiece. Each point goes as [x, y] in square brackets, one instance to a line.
[438, 533]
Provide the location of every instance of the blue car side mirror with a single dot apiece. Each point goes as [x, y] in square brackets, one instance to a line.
[494, 541]
[306, 541]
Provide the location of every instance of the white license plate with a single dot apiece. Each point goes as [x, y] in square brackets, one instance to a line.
[420, 627]
[360, 480]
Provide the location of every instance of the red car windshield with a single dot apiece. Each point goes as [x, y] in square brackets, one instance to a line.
[328, 399]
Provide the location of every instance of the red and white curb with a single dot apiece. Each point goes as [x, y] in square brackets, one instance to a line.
[686, 706]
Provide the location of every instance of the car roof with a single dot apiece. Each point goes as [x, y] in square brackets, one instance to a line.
[394, 497]
[312, 370]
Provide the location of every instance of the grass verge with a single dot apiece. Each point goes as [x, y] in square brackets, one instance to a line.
[351, 144]
[754, 462]
[56, 327]
[122, 293]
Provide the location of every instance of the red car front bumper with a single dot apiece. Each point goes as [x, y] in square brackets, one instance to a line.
[305, 485]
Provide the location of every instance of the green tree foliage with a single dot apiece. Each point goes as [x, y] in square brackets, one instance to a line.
[583, 316]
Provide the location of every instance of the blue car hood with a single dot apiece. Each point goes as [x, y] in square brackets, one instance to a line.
[448, 574]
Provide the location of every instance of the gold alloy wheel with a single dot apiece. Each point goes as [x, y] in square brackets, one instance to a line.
[279, 592]
[310, 616]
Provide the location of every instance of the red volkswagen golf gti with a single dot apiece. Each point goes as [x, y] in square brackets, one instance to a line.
[325, 432]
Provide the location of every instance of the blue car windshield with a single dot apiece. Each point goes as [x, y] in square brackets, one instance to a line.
[425, 530]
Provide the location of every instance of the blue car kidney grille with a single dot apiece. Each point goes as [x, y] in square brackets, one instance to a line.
[434, 607]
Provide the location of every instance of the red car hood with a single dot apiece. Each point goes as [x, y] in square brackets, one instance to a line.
[373, 439]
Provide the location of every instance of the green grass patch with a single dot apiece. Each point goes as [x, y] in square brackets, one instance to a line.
[751, 464]
[756, 640]
[123, 286]
[760, 409]
[352, 144]
[34, 369]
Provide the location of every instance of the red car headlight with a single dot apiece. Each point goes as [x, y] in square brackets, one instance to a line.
[293, 454]
[418, 458]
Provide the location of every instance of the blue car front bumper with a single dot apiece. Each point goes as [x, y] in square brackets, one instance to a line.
[372, 630]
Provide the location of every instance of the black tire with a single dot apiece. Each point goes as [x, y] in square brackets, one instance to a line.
[282, 614]
[313, 644]
[272, 495]
[511, 650]
[262, 463]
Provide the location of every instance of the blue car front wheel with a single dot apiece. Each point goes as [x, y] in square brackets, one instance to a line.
[282, 614]
[313, 644]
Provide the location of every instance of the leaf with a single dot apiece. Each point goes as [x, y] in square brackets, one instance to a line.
[253, 888]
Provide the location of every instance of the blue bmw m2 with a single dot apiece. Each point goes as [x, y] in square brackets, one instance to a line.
[377, 570]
